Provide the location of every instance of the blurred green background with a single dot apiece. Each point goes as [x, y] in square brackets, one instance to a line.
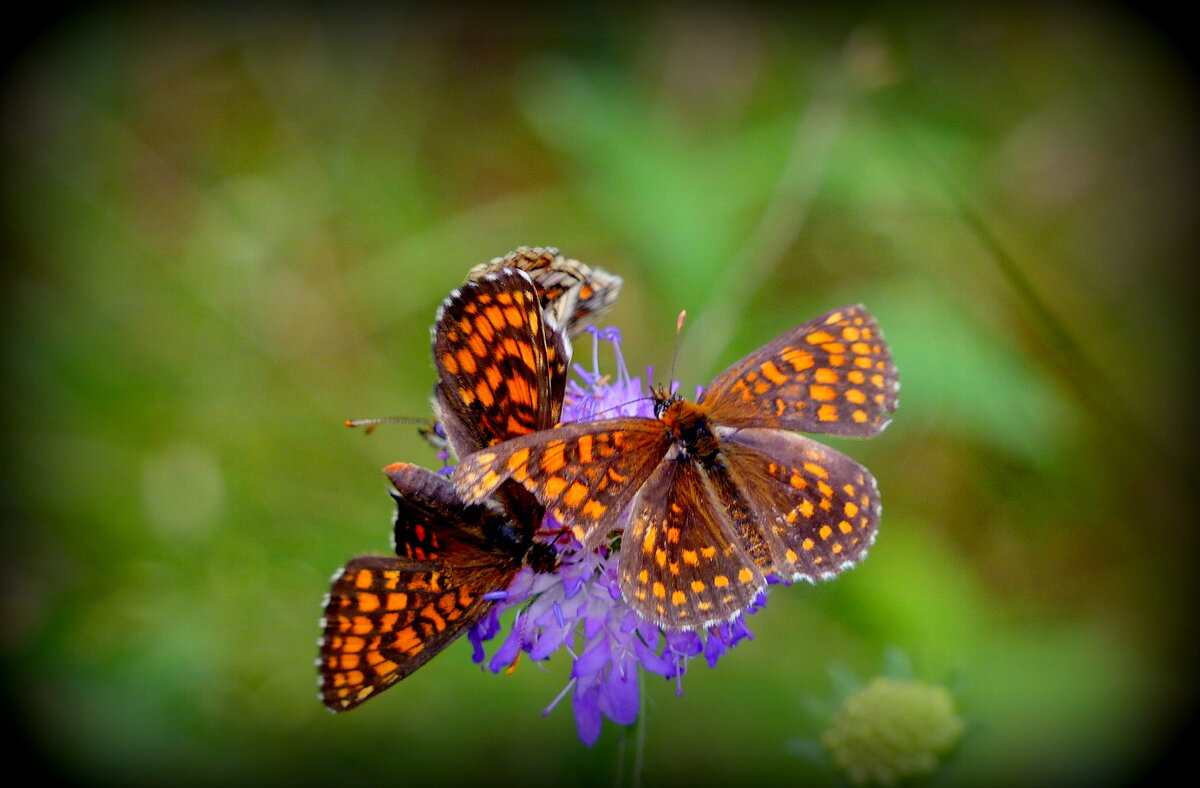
[229, 230]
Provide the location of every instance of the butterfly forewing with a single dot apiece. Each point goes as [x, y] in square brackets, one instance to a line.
[584, 473]
[682, 562]
[502, 370]
[385, 618]
[831, 375]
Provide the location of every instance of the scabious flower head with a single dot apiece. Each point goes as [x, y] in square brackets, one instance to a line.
[892, 729]
[578, 609]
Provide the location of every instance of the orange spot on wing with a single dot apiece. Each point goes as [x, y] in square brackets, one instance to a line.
[552, 459]
[772, 373]
[594, 509]
[575, 495]
[821, 393]
[495, 316]
[466, 361]
[825, 375]
[585, 449]
[485, 394]
[799, 359]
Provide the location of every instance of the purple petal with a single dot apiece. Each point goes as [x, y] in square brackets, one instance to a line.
[477, 653]
[619, 696]
[593, 659]
[592, 625]
[686, 643]
[587, 716]
[508, 650]
[714, 648]
[652, 661]
[547, 643]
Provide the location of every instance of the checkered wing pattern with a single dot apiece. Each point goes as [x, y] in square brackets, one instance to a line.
[432, 523]
[502, 369]
[572, 294]
[682, 560]
[584, 473]
[386, 616]
[721, 493]
[832, 375]
[813, 511]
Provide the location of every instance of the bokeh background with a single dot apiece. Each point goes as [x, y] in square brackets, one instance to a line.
[228, 230]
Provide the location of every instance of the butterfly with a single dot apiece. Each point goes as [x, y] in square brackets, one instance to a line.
[386, 616]
[502, 371]
[572, 294]
[723, 492]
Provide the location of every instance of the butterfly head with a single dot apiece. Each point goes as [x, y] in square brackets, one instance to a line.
[663, 398]
[542, 557]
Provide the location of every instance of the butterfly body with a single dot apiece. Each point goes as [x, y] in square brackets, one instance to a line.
[689, 427]
[716, 495]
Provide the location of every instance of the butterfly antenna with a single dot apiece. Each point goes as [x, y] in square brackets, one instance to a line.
[372, 424]
[675, 355]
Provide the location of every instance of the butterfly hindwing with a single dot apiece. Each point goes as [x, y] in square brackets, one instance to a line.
[386, 617]
[681, 558]
[432, 522]
[816, 509]
[572, 294]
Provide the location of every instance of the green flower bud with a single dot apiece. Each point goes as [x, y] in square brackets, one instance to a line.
[892, 729]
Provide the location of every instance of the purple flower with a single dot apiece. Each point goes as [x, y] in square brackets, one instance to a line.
[578, 609]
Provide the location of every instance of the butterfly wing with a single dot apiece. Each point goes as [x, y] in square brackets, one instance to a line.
[585, 473]
[682, 564]
[387, 616]
[502, 369]
[833, 374]
[572, 294]
[815, 512]
[432, 523]
[384, 618]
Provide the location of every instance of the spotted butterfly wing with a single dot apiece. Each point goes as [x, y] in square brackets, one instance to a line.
[720, 492]
[502, 372]
[386, 616]
[832, 375]
[571, 293]
[501, 369]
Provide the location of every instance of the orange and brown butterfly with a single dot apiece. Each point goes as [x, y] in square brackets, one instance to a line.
[721, 493]
[386, 616]
[502, 371]
[572, 293]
